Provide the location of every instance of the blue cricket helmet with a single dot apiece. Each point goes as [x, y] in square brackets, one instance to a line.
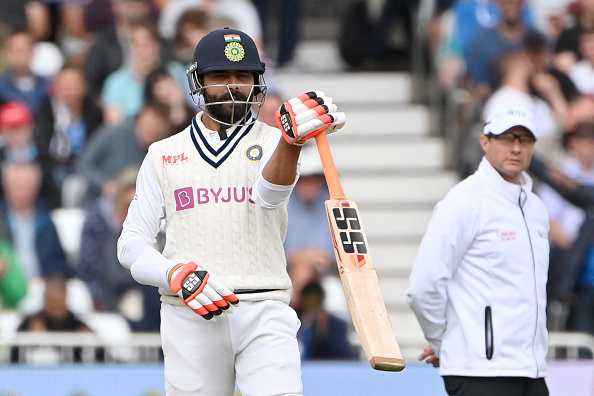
[222, 50]
[227, 49]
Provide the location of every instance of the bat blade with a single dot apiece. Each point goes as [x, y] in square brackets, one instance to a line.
[361, 286]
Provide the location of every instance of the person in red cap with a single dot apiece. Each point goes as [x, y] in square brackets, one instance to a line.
[16, 126]
[18, 146]
[15, 114]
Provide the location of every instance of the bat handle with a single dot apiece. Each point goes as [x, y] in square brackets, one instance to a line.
[330, 172]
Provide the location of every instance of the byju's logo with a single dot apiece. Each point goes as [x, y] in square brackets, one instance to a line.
[184, 198]
[188, 197]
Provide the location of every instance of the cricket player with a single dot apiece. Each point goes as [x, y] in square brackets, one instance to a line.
[222, 187]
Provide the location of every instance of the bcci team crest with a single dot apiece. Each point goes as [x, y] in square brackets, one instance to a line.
[234, 50]
[254, 153]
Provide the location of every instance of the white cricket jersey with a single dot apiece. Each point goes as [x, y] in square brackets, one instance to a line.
[219, 211]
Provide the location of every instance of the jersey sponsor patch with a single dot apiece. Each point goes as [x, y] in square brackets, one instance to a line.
[254, 153]
[189, 197]
[184, 198]
[174, 159]
[507, 236]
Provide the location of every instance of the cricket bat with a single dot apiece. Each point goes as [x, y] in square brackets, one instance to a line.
[357, 272]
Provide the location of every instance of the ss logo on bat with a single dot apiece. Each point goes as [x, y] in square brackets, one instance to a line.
[352, 241]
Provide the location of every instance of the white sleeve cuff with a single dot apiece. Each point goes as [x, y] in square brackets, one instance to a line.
[151, 268]
[271, 196]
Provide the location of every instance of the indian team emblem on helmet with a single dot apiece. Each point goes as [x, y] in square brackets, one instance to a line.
[254, 153]
[234, 52]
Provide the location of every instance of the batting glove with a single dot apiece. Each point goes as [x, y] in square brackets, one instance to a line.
[305, 116]
[202, 292]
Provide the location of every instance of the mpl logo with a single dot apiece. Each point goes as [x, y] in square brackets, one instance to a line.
[175, 159]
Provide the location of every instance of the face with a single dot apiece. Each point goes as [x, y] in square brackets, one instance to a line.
[310, 187]
[21, 184]
[229, 86]
[71, 87]
[143, 47]
[587, 46]
[55, 303]
[18, 138]
[151, 127]
[509, 158]
[189, 37]
[128, 11]
[539, 61]
[19, 51]
[511, 10]
[167, 90]
[582, 146]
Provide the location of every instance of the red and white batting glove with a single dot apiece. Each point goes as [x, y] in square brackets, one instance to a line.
[305, 116]
[202, 292]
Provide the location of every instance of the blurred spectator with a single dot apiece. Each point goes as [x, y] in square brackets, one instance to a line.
[574, 289]
[98, 266]
[582, 72]
[489, 43]
[242, 13]
[110, 45]
[306, 265]
[581, 109]
[517, 80]
[288, 28]
[25, 15]
[540, 56]
[66, 121]
[19, 83]
[310, 254]
[13, 282]
[367, 31]
[54, 317]
[123, 91]
[457, 27]
[306, 208]
[113, 147]
[161, 87]
[567, 47]
[322, 335]
[565, 218]
[191, 27]
[29, 224]
[18, 146]
[547, 102]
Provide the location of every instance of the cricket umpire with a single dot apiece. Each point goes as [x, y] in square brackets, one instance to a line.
[478, 285]
[222, 186]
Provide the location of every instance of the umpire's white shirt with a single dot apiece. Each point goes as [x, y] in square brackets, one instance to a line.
[486, 245]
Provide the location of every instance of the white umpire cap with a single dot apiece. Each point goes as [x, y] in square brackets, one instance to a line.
[504, 118]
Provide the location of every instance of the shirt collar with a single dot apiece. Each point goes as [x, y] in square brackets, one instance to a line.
[509, 190]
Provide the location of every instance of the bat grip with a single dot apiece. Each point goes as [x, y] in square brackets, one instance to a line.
[330, 171]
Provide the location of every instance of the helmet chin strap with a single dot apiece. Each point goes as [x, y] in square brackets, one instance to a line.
[222, 131]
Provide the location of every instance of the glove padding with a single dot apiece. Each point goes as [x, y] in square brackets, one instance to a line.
[305, 116]
[202, 292]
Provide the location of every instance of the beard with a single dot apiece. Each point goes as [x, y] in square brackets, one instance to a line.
[230, 112]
